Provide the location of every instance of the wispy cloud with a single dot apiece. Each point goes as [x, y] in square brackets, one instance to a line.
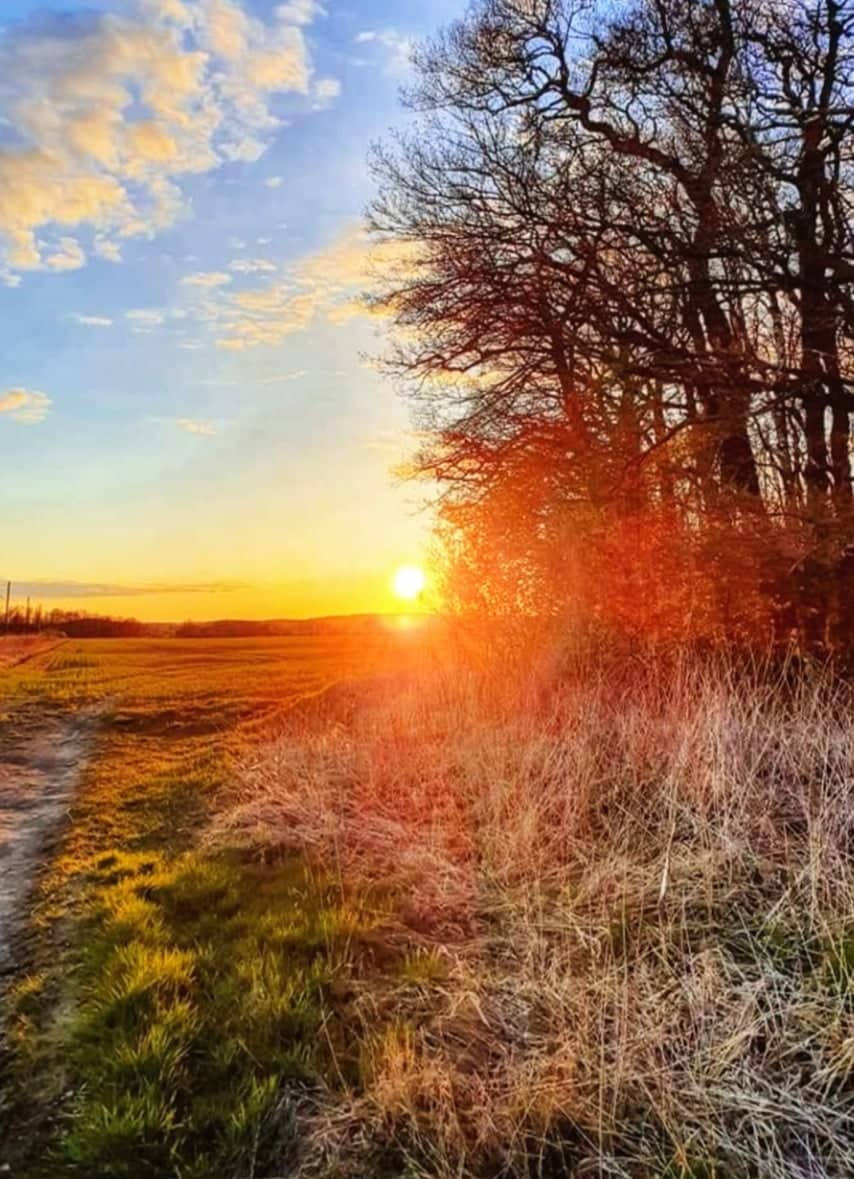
[100, 321]
[145, 319]
[110, 251]
[212, 278]
[274, 181]
[280, 378]
[325, 91]
[67, 256]
[191, 426]
[25, 406]
[329, 283]
[252, 265]
[85, 589]
[107, 113]
[301, 12]
[396, 46]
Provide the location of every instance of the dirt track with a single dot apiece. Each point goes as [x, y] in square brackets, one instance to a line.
[41, 762]
[16, 649]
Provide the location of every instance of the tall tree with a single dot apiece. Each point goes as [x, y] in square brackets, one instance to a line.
[634, 280]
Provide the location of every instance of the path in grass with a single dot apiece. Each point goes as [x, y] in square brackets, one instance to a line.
[41, 762]
[15, 649]
[176, 1003]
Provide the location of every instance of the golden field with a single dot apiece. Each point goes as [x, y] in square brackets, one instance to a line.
[440, 920]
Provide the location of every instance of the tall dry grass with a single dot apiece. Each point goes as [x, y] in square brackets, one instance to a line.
[630, 914]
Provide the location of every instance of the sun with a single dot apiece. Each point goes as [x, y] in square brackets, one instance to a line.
[409, 582]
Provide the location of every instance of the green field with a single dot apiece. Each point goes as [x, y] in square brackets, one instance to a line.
[173, 1001]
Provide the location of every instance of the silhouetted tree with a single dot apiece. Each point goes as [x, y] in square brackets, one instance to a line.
[629, 309]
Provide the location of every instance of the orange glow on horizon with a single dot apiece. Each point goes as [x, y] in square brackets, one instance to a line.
[265, 599]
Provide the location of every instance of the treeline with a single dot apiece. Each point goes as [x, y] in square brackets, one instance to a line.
[242, 628]
[624, 310]
[82, 625]
[75, 623]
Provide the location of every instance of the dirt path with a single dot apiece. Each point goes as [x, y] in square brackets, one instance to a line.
[41, 762]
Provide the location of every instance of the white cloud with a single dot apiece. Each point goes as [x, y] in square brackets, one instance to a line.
[92, 320]
[106, 114]
[274, 181]
[214, 278]
[300, 12]
[191, 426]
[279, 378]
[110, 251]
[68, 255]
[398, 48]
[145, 319]
[251, 266]
[325, 91]
[27, 406]
[326, 284]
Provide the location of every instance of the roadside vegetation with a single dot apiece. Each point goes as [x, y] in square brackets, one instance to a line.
[628, 909]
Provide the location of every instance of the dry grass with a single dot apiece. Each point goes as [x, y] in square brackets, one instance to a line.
[630, 917]
[17, 648]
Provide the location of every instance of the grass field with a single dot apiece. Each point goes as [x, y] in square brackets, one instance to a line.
[439, 923]
[172, 994]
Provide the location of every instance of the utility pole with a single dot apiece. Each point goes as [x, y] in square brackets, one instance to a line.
[8, 596]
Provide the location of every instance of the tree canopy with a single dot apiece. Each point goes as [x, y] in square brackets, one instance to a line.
[627, 326]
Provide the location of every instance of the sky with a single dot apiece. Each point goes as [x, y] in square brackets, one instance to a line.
[190, 422]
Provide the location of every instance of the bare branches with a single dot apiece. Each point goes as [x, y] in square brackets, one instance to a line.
[636, 225]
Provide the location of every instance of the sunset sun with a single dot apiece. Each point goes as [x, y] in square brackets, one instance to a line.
[409, 582]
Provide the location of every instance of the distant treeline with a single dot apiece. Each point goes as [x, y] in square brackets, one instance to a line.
[237, 628]
[76, 624]
[79, 624]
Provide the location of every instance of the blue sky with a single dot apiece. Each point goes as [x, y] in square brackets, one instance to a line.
[184, 400]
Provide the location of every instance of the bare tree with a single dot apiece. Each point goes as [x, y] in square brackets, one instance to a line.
[633, 288]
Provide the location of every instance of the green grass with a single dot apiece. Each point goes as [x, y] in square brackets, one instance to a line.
[202, 1002]
[178, 1000]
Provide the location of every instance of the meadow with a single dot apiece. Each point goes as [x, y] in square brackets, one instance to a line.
[168, 995]
[335, 911]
